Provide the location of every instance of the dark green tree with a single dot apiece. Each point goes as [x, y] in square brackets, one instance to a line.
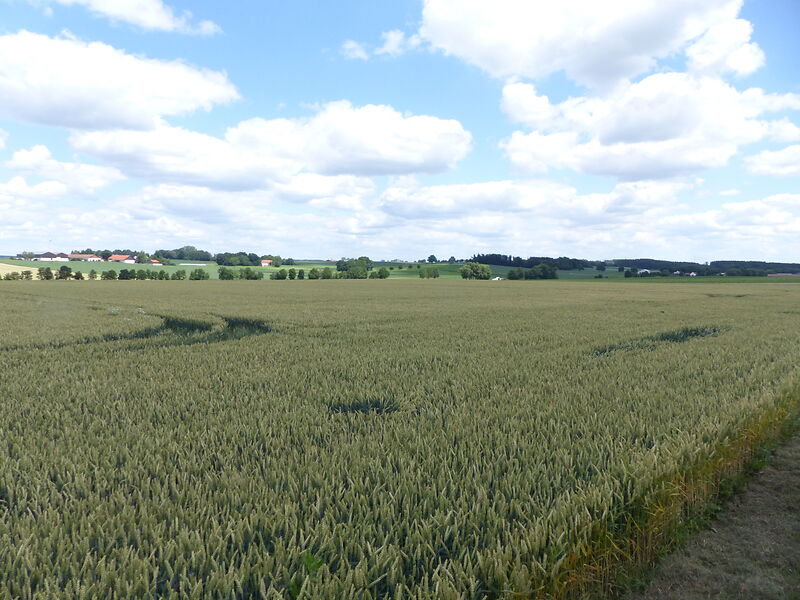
[226, 274]
[198, 274]
[473, 270]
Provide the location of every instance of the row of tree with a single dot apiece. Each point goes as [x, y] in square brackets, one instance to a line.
[540, 271]
[562, 262]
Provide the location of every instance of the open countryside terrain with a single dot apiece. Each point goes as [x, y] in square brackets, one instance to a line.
[374, 439]
[398, 270]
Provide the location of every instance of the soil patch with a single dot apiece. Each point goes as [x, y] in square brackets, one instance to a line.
[752, 549]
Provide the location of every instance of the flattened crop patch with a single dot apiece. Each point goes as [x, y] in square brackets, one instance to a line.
[378, 406]
[653, 341]
[173, 331]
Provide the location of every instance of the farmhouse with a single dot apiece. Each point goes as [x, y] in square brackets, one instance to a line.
[86, 257]
[154, 262]
[122, 258]
[266, 262]
[51, 257]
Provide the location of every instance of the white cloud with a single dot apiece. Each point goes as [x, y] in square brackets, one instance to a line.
[396, 43]
[726, 47]
[779, 162]
[147, 14]
[417, 202]
[18, 187]
[533, 196]
[354, 50]
[339, 139]
[77, 177]
[784, 130]
[633, 219]
[178, 155]
[533, 217]
[343, 192]
[665, 125]
[69, 83]
[595, 43]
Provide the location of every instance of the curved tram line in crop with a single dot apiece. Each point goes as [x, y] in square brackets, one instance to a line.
[173, 331]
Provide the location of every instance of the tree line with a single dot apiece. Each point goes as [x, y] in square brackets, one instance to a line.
[563, 263]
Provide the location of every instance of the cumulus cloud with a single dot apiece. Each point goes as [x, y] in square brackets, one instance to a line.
[66, 82]
[76, 177]
[343, 192]
[665, 125]
[178, 155]
[19, 188]
[152, 15]
[538, 217]
[395, 43]
[413, 201]
[779, 162]
[594, 43]
[354, 50]
[726, 47]
[541, 197]
[340, 139]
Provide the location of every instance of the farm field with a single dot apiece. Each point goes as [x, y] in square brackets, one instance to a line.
[373, 440]
[399, 270]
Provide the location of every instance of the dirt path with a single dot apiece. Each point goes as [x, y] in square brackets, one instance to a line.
[752, 551]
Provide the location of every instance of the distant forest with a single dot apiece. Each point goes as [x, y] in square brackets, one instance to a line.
[562, 262]
[729, 267]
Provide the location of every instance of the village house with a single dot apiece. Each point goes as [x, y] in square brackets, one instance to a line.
[266, 262]
[51, 257]
[122, 258]
[86, 257]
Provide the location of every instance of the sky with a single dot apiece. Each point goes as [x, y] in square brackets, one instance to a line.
[400, 128]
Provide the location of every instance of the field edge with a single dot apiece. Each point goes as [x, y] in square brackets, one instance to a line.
[623, 556]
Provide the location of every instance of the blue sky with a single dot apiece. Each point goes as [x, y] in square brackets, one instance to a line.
[402, 128]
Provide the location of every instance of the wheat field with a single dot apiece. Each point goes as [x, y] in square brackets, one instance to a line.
[373, 440]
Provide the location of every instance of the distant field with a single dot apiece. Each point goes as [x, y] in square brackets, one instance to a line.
[396, 270]
[5, 268]
[450, 440]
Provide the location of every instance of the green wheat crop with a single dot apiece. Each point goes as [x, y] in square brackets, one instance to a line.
[342, 439]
